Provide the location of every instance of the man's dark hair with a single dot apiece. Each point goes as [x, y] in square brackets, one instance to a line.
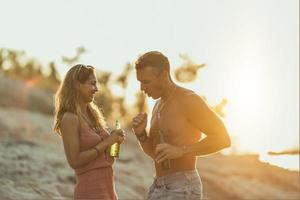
[154, 59]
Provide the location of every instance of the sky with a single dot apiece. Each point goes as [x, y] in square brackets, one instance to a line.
[251, 49]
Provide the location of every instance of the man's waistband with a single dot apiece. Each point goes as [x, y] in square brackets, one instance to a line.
[177, 176]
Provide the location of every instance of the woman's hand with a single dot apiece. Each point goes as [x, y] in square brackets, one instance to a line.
[118, 135]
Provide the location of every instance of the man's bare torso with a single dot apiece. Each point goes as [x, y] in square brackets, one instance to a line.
[177, 129]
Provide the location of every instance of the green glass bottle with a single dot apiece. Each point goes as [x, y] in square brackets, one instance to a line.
[115, 148]
[166, 164]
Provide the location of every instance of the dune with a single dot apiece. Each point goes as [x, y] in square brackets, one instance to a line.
[33, 166]
[18, 94]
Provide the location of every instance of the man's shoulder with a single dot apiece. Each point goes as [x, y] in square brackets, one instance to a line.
[192, 105]
[188, 98]
[186, 94]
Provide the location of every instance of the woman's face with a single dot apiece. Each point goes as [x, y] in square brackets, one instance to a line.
[88, 89]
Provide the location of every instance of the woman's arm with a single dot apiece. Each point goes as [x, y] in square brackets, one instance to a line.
[70, 135]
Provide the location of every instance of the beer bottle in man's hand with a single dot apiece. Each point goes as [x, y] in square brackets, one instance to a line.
[166, 164]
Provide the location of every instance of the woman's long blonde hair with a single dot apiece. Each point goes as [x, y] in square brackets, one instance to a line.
[67, 95]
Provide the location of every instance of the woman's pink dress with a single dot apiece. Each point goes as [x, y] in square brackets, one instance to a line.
[94, 180]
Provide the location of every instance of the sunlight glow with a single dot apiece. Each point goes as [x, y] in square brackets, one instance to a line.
[244, 108]
[290, 162]
[30, 83]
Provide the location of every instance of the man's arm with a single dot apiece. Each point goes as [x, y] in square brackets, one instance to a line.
[139, 124]
[208, 122]
[146, 143]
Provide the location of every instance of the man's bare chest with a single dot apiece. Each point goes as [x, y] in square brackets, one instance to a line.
[171, 120]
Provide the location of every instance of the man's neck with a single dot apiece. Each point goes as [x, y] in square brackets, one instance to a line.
[168, 91]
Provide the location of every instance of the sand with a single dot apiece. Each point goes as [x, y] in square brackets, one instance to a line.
[33, 166]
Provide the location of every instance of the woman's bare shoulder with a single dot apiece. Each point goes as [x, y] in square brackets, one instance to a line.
[69, 118]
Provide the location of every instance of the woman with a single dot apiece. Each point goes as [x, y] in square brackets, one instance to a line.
[84, 134]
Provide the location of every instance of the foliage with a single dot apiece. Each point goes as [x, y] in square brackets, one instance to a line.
[16, 65]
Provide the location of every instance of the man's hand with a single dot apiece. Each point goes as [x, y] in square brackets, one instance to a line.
[139, 123]
[165, 151]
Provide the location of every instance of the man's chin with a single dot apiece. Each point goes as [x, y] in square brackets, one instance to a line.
[153, 97]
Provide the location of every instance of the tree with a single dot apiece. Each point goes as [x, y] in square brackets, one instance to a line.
[71, 60]
[188, 71]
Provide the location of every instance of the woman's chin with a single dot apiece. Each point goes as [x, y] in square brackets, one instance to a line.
[89, 100]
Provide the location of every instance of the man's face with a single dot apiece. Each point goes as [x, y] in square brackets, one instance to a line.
[150, 82]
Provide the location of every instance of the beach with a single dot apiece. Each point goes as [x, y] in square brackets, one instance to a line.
[33, 166]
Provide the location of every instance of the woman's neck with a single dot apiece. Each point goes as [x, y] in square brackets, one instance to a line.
[84, 108]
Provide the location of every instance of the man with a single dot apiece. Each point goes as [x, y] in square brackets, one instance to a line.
[179, 118]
